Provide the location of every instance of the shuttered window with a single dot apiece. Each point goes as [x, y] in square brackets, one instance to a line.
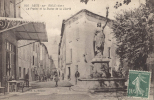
[10, 59]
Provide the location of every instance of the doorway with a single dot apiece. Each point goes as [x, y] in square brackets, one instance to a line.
[24, 72]
[69, 73]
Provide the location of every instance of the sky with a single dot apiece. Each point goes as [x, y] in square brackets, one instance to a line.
[53, 18]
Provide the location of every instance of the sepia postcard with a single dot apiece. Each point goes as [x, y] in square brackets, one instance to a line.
[76, 49]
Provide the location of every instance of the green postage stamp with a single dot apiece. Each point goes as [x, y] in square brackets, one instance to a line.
[139, 84]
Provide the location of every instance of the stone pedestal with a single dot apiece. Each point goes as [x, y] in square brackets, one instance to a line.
[101, 70]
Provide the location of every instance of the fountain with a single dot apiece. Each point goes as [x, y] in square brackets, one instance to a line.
[101, 64]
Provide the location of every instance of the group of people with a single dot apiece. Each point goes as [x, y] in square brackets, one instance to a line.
[45, 78]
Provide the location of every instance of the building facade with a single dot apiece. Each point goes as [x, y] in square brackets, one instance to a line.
[10, 8]
[12, 30]
[8, 42]
[80, 36]
[25, 58]
[76, 47]
[33, 58]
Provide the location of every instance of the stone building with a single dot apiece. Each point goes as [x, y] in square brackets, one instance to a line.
[13, 29]
[25, 58]
[43, 59]
[33, 59]
[81, 36]
[77, 49]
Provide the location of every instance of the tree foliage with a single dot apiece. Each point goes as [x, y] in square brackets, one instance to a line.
[149, 3]
[134, 31]
[118, 4]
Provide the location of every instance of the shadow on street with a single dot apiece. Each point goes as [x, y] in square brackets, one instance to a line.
[49, 84]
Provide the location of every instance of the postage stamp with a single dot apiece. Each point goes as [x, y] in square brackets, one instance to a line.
[139, 84]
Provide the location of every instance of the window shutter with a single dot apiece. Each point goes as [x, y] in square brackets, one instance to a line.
[70, 55]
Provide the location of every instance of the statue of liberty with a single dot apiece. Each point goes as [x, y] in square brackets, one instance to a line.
[136, 82]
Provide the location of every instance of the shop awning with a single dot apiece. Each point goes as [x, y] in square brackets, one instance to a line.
[24, 30]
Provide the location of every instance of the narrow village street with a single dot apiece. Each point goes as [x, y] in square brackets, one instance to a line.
[48, 91]
[76, 49]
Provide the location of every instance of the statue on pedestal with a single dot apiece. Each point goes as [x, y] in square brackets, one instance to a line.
[98, 43]
[101, 65]
[99, 39]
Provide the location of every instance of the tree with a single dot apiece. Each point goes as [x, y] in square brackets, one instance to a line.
[149, 3]
[85, 1]
[134, 31]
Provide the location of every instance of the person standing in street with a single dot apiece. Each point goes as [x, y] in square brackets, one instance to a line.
[27, 79]
[56, 80]
[45, 78]
[51, 77]
[77, 75]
